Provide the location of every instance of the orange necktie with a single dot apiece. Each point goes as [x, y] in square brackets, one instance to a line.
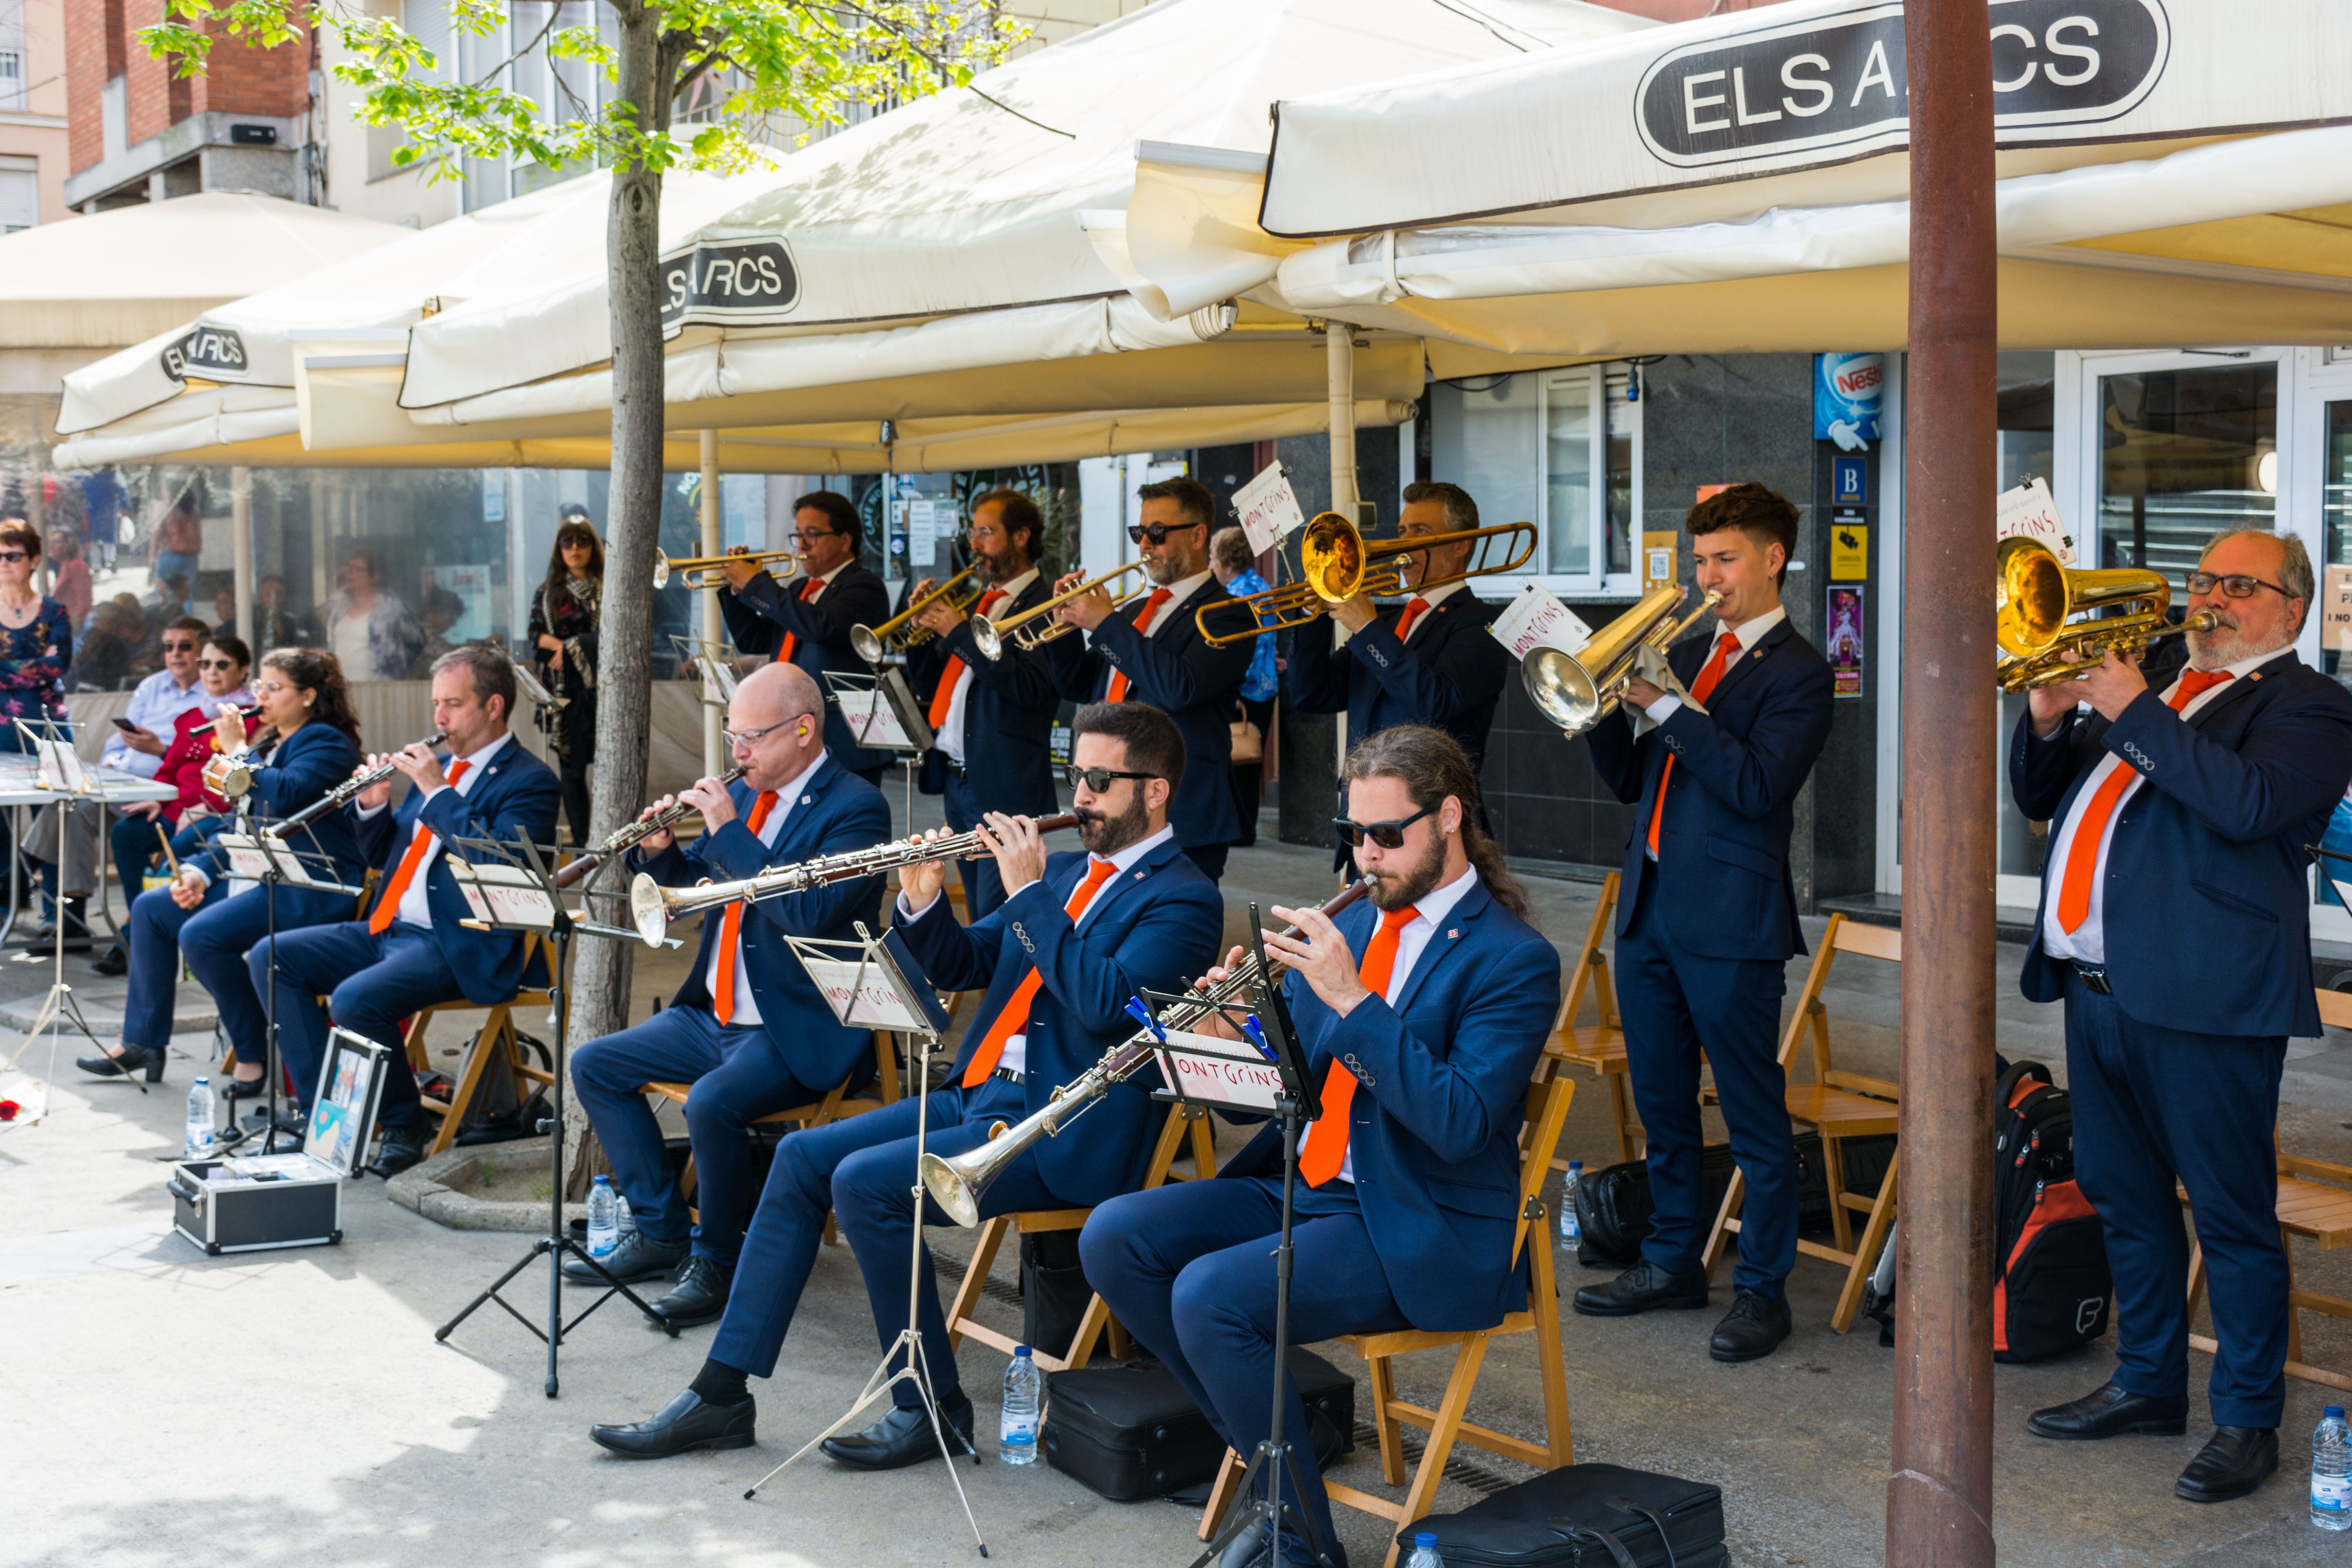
[388, 906]
[953, 671]
[1117, 691]
[1320, 1160]
[1014, 1018]
[1726, 648]
[785, 653]
[1412, 614]
[730, 925]
[2082, 854]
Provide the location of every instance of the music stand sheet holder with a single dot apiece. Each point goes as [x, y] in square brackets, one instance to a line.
[865, 983]
[60, 769]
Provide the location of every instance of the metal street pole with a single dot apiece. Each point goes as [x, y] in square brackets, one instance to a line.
[714, 749]
[1940, 1493]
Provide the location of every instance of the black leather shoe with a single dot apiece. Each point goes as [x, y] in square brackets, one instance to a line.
[684, 1424]
[2108, 1411]
[904, 1436]
[399, 1148]
[2233, 1463]
[233, 1087]
[1752, 1329]
[1644, 1288]
[638, 1256]
[114, 962]
[134, 1058]
[699, 1296]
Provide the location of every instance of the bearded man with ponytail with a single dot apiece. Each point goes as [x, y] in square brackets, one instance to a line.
[1422, 1009]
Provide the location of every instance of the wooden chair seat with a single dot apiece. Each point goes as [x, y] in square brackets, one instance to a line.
[498, 1037]
[1853, 1115]
[833, 1108]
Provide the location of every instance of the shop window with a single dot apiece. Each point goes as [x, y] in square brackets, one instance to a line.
[1561, 449]
[2026, 405]
[2184, 454]
[2336, 505]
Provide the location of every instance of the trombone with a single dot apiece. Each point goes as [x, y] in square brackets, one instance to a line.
[1337, 563]
[900, 632]
[2037, 595]
[701, 572]
[990, 636]
[1577, 690]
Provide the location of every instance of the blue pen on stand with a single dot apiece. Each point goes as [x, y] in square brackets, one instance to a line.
[1142, 1015]
[1256, 1032]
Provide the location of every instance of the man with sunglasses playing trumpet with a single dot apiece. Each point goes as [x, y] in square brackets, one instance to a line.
[1079, 934]
[1151, 651]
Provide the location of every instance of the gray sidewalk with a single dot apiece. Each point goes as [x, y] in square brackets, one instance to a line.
[168, 1407]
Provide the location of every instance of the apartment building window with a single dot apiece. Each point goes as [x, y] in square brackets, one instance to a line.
[20, 198]
[11, 73]
[1558, 448]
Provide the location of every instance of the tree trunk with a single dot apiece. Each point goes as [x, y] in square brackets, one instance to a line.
[633, 530]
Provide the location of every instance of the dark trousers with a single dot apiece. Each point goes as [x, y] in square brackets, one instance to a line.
[131, 841]
[214, 938]
[1187, 1269]
[1675, 1004]
[1210, 857]
[738, 1077]
[575, 779]
[863, 1170]
[372, 983]
[983, 886]
[2153, 1104]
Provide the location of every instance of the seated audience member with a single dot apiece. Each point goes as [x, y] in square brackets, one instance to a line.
[103, 662]
[441, 610]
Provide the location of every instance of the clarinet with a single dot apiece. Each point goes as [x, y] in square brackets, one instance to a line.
[628, 835]
[344, 794]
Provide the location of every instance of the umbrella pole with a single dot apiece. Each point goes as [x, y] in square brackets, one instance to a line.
[1939, 1491]
[1339, 361]
[714, 762]
[240, 527]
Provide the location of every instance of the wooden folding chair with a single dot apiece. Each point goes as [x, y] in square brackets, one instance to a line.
[497, 1038]
[1838, 1105]
[835, 1107]
[1182, 1121]
[1601, 1050]
[2315, 1202]
[1547, 1105]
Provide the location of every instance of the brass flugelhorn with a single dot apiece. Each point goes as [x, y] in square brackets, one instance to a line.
[701, 572]
[1335, 563]
[901, 632]
[629, 835]
[992, 635]
[349, 790]
[1578, 691]
[2037, 596]
[653, 908]
[956, 1183]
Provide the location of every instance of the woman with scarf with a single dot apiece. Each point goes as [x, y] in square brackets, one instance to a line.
[564, 645]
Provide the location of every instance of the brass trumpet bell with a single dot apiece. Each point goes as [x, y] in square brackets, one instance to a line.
[1577, 690]
[2038, 597]
[1335, 563]
[900, 632]
[704, 572]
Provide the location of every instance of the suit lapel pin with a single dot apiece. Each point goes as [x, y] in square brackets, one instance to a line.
[1453, 931]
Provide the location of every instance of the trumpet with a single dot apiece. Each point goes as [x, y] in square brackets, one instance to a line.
[2037, 595]
[990, 634]
[701, 572]
[956, 1183]
[653, 908]
[901, 632]
[1335, 563]
[1578, 691]
[629, 835]
[229, 775]
[346, 792]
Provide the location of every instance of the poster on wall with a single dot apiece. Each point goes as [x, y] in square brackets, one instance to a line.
[1845, 640]
[471, 583]
[1849, 392]
[2335, 609]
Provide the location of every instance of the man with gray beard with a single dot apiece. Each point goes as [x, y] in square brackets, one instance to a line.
[2175, 926]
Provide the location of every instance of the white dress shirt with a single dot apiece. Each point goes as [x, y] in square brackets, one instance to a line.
[1750, 633]
[415, 909]
[747, 1006]
[2087, 943]
[1413, 940]
[951, 731]
[1179, 591]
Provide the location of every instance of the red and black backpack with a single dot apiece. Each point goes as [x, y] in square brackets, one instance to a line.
[2052, 1292]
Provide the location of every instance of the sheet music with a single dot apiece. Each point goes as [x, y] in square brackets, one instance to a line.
[872, 720]
[859, 993]
[1232, 1073]
[249, 862]
[504, 895]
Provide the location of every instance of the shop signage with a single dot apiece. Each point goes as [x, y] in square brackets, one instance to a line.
[209, 353]
[1268, 509]
[2335, 609]
[1849, 547]
[2028, 509]
[729, 280]
[1537, 619]
[1845, 640]
[1848, 393]
[1848, 477]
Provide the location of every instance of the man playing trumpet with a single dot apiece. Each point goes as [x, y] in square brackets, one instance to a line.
[749, 1029]
[1078, 935]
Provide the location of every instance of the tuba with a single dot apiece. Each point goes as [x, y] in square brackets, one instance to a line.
[2037, 597]
[1577, 690]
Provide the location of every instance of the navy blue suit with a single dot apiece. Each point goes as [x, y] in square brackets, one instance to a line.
[1155, 926]
[1422, 1239]
[216, 936]
[1704, 934]
[1196, 685]
[1448, 677]
[758, 616]
[2175, 1073]
[373, 980]
[795, 1054]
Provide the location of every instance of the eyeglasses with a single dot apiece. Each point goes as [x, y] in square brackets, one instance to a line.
[2236, 585]
[179, 648]
[1098, 780]
[810, 538]
[1387, 834]
[749, 738]
[13, 555]
[216, 664]
[1157, 532]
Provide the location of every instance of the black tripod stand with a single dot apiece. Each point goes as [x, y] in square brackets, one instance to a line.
[513, 895]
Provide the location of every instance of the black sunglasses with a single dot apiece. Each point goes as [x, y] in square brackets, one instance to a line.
[1157, 532]
[12, 555]
[179, 648]
[216, 664]
[1097, 779]
[1387, 834]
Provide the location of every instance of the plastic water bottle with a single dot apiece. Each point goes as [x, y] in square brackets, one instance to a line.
[1424, 1553]
[200, 1120]
[604, 1218]
[1016, 1438]
[2331, 1471]
[1570, 1232]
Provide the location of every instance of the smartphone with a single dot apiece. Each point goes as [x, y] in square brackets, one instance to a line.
[127, 725]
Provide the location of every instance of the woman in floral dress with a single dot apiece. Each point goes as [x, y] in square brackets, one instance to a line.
[35, 638]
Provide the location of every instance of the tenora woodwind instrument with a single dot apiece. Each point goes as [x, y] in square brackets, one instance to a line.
[629, 835]
[956, 1183]
[344, 794]
[653, 907]
[1578, 691]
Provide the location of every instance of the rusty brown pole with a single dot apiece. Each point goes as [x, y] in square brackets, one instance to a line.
[1939, 1490]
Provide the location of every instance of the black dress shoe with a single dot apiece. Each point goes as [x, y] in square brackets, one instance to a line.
[114, 962]
[2234, 1462]
[638, 1256]
[1644, 1288]
[699, 1296]
[683, 1425]
[399, 1148]
[1752, 1329]
[2108, 1411]
[904, 1436]
[134, 1058]
[233, 1087]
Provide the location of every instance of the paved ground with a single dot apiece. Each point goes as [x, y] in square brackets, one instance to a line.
[166, 1407]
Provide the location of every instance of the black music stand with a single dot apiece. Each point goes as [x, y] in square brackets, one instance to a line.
[512, 888]
[883, 716]
[60, 769]
[266, 858]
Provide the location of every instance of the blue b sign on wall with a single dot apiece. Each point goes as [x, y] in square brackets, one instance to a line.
[1848, 392]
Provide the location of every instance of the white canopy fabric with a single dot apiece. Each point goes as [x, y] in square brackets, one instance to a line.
[2174, 172]
[120, 277]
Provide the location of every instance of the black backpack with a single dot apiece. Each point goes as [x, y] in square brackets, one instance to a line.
[2051, 1290]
